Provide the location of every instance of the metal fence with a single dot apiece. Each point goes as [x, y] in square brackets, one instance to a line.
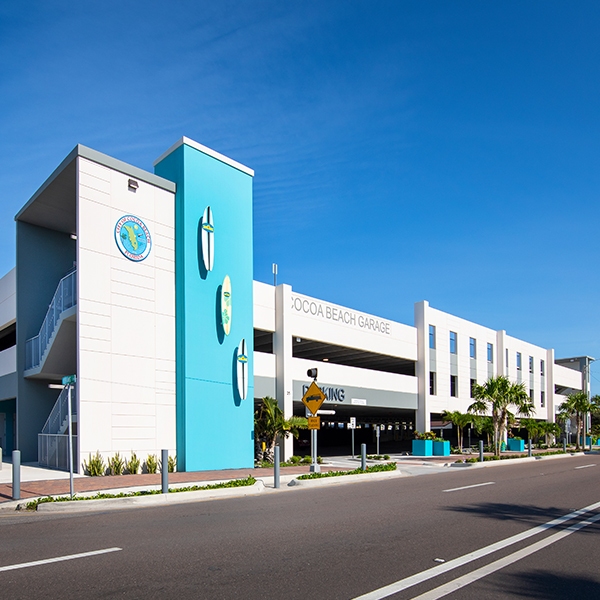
[53, 451]
[65, 297]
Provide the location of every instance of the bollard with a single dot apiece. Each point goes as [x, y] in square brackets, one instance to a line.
[363, 457]
[276, 467]
[16, 475]
[480, 450]
[529, 448]
[164, 472]
[564, 444]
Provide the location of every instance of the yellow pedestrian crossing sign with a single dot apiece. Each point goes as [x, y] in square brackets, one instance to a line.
[313, 398]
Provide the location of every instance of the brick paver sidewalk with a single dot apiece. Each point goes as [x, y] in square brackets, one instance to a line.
[31, 489]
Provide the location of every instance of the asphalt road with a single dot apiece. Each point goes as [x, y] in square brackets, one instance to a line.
[336, 542]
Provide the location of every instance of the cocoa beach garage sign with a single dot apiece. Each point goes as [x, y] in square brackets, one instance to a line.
[329, 312]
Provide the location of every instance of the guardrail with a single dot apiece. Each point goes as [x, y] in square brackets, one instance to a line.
[64, 298]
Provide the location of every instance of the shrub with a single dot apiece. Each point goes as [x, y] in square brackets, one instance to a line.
[151, 464]
[305, 460]
[133, 464]
[427, 435]
[295, 460]
[172, 464]
[116, 464]
[373, 469]
[95, 466]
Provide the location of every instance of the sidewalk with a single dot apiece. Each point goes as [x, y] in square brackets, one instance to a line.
[36, 481]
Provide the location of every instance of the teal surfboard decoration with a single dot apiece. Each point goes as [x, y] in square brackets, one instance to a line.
[226, 305]
[242, 369]
[208, 239]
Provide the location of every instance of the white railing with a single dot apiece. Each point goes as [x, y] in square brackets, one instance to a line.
[53, 451]
[58, 420]
[65, 297]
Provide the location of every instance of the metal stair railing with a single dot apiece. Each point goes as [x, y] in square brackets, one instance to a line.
[53, 441]
[65, 297]
[57, 421]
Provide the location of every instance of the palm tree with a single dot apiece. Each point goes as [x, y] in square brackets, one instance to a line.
[461, 420]
[533, 427]
[549, 430]
[483, 425]
[269, 423]
[578, 405]
[497, 395]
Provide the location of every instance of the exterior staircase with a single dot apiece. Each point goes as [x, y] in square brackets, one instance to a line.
[53, 441]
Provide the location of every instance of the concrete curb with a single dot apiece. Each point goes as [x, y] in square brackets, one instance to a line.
[513, 461]
[155, 500]
[343, 479]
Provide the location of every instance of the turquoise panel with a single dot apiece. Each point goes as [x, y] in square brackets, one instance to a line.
[215, 428]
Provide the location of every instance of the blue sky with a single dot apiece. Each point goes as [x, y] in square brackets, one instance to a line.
[404, 150]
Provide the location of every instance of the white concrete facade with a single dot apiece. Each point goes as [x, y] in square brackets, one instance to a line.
[126, 317]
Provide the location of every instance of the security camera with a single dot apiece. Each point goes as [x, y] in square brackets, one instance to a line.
[312, 373]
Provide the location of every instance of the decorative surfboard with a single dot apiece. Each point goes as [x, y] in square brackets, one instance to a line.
[208, 241]
[226, 305]
[242, 369]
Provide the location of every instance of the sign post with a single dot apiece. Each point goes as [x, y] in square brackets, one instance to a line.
[352, 426]
[312, 399]
[69, 381]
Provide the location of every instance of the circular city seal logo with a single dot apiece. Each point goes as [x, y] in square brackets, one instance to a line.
[133, 238]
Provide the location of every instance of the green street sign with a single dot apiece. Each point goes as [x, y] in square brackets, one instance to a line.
[69, 379]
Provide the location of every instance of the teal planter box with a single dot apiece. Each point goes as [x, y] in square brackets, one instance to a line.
[422, 447]
[587, 440]
[441, 448]
[515, 445]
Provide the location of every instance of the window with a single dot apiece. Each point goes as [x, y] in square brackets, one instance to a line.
[518, 361]
[432, 336]
[432, 390]
[543, 402]
[542, 368]
[490, 353]
[507, 361]
[531, 395]
[453, 342]
[472, 347]
[473, 383]
[531, 364]
[454, 386]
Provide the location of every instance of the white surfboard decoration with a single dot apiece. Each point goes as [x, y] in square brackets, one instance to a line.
[226, 305]
[208, 242]
[242, 369]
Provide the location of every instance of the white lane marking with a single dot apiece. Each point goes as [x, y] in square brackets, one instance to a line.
[468, 487]
[585, 466]
[469, 578]
[402, 584]
[47, 561]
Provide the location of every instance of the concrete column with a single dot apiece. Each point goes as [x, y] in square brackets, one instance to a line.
[550, 385]
[423, 366]
[500, 367]
[282, 348]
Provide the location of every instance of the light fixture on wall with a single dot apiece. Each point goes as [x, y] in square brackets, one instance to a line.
[325, 360]
[133, 185]
[73, 236]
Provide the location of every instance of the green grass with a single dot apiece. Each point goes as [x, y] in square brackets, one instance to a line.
[102, 496]
[372, 469]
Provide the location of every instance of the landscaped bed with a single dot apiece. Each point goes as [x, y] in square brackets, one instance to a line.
[248, 481]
